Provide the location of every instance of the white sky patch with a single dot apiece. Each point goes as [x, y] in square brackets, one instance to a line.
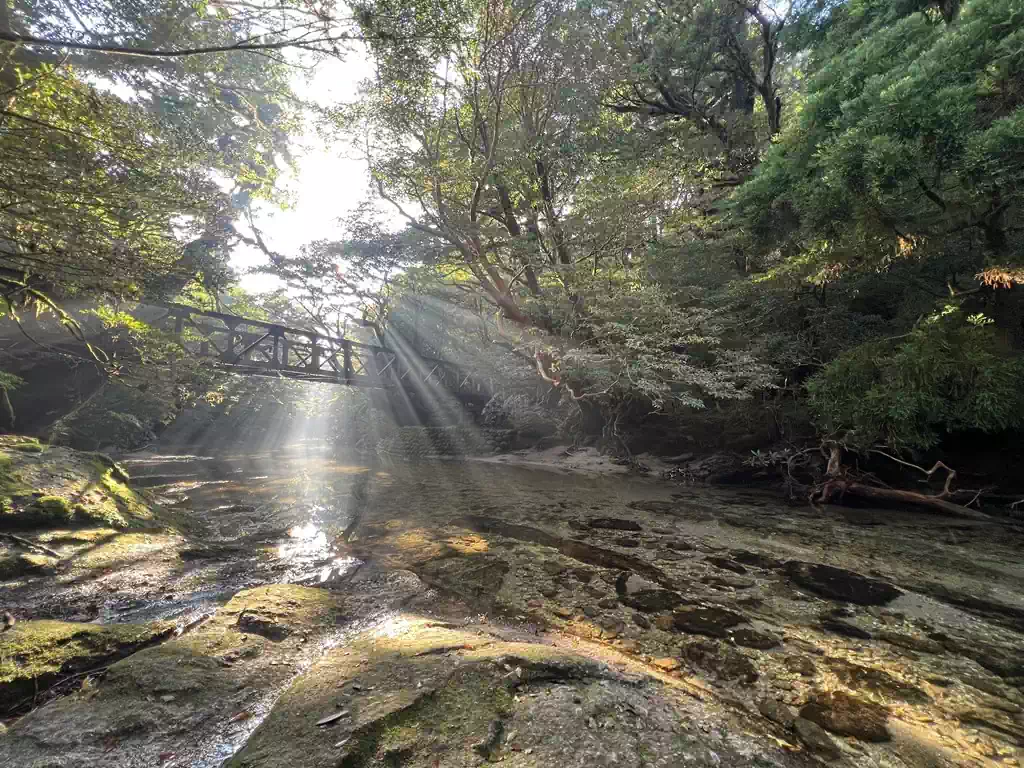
[328, 182]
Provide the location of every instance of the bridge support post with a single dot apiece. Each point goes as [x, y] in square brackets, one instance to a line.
[347, 351]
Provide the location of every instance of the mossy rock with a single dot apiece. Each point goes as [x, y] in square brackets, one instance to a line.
[35, 654]
[25, 564]
[424, 688]
[92, 490]
[28, 447]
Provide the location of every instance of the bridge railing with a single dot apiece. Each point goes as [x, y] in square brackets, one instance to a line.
[262, 348]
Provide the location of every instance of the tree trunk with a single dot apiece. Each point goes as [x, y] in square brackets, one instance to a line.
[872, 493]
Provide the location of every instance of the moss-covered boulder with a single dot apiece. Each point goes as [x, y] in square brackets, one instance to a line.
[206, 687]
[418, 694]
[35, 654]
[56, 487]
[16, 565]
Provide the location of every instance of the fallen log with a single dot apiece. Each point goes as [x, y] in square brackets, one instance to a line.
[889, 495]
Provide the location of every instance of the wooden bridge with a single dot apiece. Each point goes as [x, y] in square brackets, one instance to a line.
[268, 349]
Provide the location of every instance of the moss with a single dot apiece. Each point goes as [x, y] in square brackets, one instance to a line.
[25, 564]
[28, 447]
[37, 653]
[459, 713]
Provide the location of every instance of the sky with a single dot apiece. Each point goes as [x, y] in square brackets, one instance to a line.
[328, 182]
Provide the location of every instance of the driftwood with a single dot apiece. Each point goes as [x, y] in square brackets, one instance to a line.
[873, 493]
[841, 482]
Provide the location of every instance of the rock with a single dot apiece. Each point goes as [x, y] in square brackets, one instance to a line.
[653, 505]
[1000, 661]
[561, 612]
[726, 564]
[485, 746]
[751, 638]
[859, 677]
[629, 646]
[667, 663]
[706, 620]
[35, 654]
[726, 582]
[26, 564]
[663, 622]
[627, 542]
[266, 626]
[641, 621]
[800, 665]
[841, 584]
[549, 592]
[553, 568]
[721, 660]
[846, 715]
[477, 578]
[608, 602]
[777, 712]
[755, 559]
[583, 575]
[653, 600]
[912, 642]
[591, 611]
[668, 554]
[993, 721]
[615, 524]
[627, 583]
[840, 627]
[680, 545]
[586, 714]
[816, 739]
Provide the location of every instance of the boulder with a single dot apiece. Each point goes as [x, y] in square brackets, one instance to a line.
[846, 715]
[841, 584]
[709, 620]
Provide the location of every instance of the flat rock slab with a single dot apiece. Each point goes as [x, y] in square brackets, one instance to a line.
[615, 524]
[164, 700]
[421, 695]
[36, 654]
[847, 715]
[841, 584]
[707, 620]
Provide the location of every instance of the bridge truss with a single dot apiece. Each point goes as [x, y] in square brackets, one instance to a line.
[259, 348]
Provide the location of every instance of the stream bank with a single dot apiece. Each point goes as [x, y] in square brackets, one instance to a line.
[448, 613]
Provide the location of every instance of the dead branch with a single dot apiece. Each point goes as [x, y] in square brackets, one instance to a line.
[841, 481]
[30, 544]
[950, 476]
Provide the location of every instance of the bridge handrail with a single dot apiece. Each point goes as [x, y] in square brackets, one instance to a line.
[277, 329]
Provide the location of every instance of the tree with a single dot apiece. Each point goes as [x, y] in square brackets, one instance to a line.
[96, 197]
[706, 62]
[909, 146]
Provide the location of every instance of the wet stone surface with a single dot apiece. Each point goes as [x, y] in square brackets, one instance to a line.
[449, 613]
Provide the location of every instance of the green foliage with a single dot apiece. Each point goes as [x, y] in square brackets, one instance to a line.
[949, 374]
[908, 144]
